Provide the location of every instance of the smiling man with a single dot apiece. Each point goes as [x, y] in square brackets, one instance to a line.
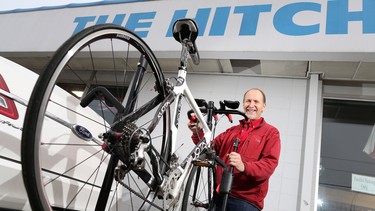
[256, 158]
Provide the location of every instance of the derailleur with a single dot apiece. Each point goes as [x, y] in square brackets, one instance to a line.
[129, 145]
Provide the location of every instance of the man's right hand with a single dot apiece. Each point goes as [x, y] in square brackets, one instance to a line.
[194, 126]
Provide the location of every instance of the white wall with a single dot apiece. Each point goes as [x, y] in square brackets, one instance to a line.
[286, 99]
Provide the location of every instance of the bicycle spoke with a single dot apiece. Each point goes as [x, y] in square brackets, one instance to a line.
[199, 189]
[74, 172]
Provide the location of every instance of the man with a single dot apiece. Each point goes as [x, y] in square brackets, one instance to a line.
[256, 158]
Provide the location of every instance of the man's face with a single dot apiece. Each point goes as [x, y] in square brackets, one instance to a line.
[253, 104]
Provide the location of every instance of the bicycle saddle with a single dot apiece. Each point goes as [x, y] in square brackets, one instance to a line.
[185, 29]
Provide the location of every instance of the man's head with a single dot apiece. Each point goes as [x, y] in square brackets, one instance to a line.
[254, 103]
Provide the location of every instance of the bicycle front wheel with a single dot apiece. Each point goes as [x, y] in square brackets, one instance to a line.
[200, 189]
[68, 160]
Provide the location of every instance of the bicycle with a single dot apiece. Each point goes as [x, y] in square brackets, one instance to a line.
[84, 167]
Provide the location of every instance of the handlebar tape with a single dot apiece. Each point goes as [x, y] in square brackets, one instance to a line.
[99, 91]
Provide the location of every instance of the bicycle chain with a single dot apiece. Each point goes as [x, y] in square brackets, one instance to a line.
[139, 195]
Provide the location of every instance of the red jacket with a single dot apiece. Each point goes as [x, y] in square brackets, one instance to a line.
[259, 148]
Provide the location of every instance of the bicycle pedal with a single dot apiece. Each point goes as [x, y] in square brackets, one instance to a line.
[203, 163]
[200, 205]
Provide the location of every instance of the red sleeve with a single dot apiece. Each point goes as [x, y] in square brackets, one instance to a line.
[196, 137]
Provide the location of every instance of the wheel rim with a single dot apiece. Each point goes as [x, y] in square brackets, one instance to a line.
[72, 170]
[199, 194]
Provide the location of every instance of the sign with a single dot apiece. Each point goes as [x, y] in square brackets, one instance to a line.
[363, 184]
[227, 29]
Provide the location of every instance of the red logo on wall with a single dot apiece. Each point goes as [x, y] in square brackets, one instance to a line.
[7, 106]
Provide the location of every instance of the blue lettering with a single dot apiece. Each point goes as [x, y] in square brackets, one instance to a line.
[119, 18]
[82, 22]
[368, 16]
[178, 14]
[219, 22]
[338, 16]
[202, 18]
[134, 22]
[250, 17]
[283, 19]
[102, 19]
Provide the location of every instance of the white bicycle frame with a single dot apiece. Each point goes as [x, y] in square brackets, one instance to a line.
[180, 91]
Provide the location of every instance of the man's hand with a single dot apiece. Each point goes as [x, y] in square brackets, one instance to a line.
[194, 126]
[234, 159]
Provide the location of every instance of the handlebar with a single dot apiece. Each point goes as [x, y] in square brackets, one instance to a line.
[205, 108]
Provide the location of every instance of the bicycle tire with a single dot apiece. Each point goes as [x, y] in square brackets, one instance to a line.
[58, 176]
[200, 189]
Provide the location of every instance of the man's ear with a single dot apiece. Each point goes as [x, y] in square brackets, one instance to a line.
[264, 106]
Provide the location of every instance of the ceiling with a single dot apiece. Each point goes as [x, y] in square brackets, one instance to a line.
[330, 70]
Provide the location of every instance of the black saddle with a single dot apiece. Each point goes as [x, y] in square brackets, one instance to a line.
[186, 29]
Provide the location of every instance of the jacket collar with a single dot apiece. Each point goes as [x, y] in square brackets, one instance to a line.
[251, 123]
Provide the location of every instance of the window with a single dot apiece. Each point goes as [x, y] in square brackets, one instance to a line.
[347, 171]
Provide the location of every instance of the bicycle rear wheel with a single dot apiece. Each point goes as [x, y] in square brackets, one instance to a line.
[69, 161]
[200, 189]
